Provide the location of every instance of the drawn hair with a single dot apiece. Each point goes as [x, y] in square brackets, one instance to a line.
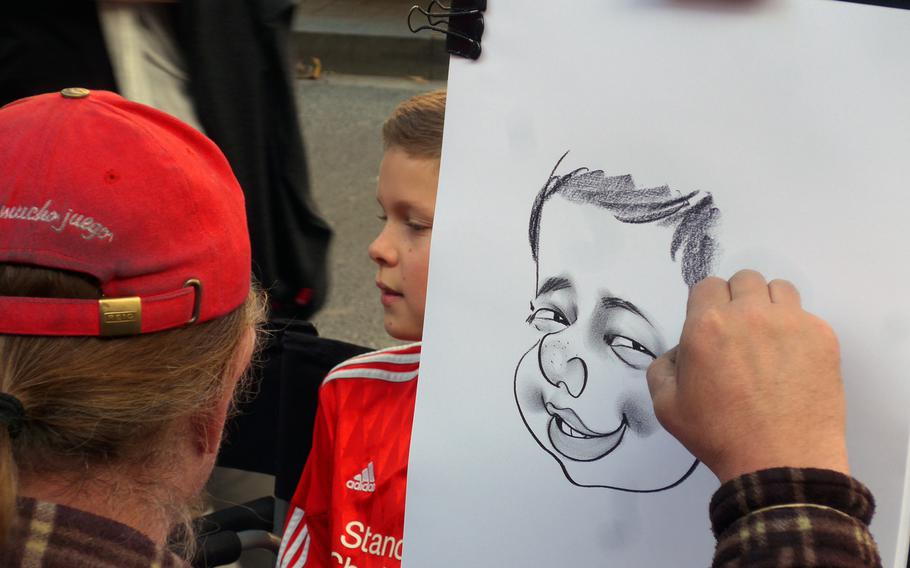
[416, 125]
[693, 216]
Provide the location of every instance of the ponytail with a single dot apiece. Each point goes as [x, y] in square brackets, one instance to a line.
[12, 414]
[7, 485]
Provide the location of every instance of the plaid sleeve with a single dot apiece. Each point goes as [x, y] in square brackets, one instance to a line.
[786, 517]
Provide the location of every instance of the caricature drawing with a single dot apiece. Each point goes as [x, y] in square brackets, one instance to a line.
[581, 388]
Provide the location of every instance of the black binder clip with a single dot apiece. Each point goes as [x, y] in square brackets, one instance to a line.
[461, 22]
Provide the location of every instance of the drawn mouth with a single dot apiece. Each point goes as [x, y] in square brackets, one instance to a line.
[574, 440]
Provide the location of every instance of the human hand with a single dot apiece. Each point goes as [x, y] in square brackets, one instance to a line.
[755, 380]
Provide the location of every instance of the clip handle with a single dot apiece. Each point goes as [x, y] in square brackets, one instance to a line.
[461, 22]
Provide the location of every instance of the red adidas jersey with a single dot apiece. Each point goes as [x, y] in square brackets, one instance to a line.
[348, 509]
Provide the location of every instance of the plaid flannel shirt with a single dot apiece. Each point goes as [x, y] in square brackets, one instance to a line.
[777, 518]
[786, 517]
[54, 536]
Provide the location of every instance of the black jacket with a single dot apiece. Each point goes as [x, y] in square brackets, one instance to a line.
[241, 86]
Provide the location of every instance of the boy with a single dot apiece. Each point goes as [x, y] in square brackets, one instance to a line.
[348, 509]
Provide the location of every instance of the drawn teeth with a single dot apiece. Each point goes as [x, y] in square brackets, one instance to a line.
[569, 431]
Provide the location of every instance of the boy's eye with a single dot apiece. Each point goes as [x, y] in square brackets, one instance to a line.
[382, 217]
[548, 320]
[415, 226]
[629, 351]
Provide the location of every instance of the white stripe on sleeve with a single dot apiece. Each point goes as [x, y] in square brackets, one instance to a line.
[389, 354]
[290, 530]
[302, 536]
[303, 555]
[367, 373]
[399, 358]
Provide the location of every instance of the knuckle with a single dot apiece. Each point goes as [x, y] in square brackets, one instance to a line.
[825, 335]
[711, 319]
[705, 287]
[748, 274]
[708, 282]
[704, 329]
[781, 283]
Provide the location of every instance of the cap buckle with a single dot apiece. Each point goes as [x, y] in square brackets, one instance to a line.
[120, 316]
[197, 300]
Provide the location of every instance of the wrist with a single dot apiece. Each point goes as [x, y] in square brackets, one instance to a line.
[787, 487]
[823, 456]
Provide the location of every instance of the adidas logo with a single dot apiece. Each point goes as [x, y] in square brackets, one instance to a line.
[363, 481]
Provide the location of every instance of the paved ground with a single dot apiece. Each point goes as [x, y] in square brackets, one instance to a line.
[342, 117]
[367, 37]
[355, 17]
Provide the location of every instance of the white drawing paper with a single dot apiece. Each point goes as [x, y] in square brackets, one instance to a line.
[601, 156]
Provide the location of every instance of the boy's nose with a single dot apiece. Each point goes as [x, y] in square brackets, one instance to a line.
[560, 365]
[380, 252]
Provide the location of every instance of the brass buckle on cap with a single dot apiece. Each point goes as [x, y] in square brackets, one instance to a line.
[197, 302]
[120, 316]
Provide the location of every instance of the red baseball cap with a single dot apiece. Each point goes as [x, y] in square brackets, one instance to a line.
[148, 206]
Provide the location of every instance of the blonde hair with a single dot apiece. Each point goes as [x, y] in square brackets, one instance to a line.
[94, 403]
[416, 125]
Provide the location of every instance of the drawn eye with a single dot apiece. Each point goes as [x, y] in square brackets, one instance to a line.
[630, 352]
[548, 320]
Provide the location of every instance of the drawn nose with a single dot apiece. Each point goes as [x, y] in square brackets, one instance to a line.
[559, 365]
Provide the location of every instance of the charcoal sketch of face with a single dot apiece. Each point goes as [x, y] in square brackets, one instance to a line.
[581, 388]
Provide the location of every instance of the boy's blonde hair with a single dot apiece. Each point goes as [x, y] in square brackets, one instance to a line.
[416, 125]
